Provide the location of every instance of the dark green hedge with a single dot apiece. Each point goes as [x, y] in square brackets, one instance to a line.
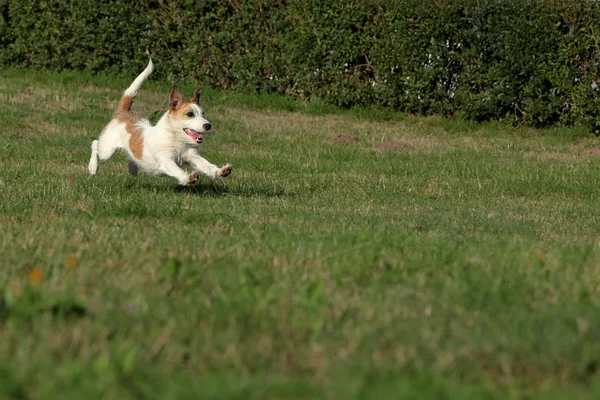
[528, 62]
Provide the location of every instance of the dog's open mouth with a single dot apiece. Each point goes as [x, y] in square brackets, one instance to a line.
[195, 135]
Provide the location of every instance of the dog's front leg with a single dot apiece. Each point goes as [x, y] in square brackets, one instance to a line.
[208, 169]
[170, 167]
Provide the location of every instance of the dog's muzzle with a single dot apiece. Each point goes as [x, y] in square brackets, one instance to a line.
[195, 135]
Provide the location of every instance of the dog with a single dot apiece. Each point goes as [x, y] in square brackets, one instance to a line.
[162, 149]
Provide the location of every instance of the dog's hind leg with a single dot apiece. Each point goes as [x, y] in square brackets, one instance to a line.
[93, 165]
[103, 148]
[132, 167]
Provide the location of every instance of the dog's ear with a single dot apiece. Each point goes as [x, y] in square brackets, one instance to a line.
[175, 98]
[196, 97]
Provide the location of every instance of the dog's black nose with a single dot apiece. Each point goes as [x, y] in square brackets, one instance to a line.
[206, 127]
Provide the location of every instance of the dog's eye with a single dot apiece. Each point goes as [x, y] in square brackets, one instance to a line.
[190, 114]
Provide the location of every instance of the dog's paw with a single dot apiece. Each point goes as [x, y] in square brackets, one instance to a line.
[224, 171]
[93, 167]
[193, 178]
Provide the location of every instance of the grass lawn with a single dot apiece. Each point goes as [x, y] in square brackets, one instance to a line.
[350, 255]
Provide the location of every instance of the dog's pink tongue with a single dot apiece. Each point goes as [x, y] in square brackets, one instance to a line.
[196, 135]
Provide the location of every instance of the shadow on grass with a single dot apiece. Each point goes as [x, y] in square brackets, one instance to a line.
[215, 190]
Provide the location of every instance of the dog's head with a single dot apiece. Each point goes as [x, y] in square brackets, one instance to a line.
[187, 117]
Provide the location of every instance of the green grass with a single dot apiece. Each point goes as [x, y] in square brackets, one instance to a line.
[462, 263]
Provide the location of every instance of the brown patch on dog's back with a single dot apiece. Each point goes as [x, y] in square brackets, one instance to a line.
[392, 146]
[136, 139]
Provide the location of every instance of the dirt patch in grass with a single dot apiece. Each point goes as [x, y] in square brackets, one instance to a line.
[521, 372]
[591, 152]
[344, 138]
[392, 146]
[330, 126]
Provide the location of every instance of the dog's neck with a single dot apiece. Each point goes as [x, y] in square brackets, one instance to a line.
[164, 124]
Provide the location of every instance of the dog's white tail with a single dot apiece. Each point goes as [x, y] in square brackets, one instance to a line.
[131, 92]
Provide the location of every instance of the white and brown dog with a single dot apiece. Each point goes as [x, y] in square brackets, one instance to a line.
[161, 149]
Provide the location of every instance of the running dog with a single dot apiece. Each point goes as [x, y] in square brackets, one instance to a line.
[161, 149]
